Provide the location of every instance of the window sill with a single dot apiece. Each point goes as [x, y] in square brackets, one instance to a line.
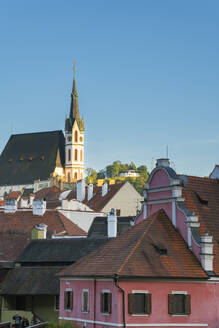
[85, 312]
[66, 310]
[105, 313]
[179, 315]
[140, 315]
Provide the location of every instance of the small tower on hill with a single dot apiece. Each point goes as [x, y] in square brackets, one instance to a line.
[74, 140]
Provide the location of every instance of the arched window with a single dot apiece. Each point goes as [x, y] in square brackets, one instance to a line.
[81, 155]
[69, 155]
[76, 136]
[69, 177]
[76, 154]
[76, 175]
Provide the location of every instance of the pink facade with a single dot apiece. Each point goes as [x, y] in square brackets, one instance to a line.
[163, 191]
[202, 293]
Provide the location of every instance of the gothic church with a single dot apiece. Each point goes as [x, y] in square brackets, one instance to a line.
[36, 160]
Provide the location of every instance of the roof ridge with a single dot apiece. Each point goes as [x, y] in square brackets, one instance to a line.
[139, 241]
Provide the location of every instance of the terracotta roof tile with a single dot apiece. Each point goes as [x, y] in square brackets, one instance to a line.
[202, 197]
[14, 195]
[152, 248]
[15, 230]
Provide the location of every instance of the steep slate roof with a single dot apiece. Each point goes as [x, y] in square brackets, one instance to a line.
[31, 281]
[151, 248]
[31, 156]
[58, 250]
[202, 197]
[98, 227]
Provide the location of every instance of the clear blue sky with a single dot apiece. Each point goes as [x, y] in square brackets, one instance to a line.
[147, 76]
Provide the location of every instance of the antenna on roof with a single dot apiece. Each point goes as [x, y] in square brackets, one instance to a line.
[167, 152]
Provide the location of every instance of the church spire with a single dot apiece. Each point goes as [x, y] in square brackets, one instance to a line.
[74, 109]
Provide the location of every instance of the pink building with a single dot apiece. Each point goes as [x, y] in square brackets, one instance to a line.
[163, 271]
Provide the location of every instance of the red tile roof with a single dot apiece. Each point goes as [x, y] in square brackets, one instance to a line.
[50, 193]
[20, 224]
[151, 248]
[14, 195]
[202, 197]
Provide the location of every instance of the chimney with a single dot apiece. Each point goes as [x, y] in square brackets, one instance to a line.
[164, 162]
[207, 255]
[112, 224]
[80, 190]
[90, 189]
[39, 206]
[39, 231]
[31, 198]
[104, 189]
[10, 206]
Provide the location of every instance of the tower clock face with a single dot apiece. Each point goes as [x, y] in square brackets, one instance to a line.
[69, 139]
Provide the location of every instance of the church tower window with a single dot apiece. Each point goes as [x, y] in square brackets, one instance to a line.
[76, 175]
[69, 155]
[69, 177]
[81, 155]
[76, 136]
[76, 154]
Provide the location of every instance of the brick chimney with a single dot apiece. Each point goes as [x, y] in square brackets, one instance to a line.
[112, 224]
[207, 255]
[104, 189]
[80, 190]
[39, 206]
[90, 189]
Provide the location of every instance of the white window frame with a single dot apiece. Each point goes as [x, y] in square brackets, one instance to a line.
[67, 290]
[102, 292]
[82, 300]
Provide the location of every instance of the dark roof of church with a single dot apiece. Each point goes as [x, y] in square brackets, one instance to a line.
[31, 156]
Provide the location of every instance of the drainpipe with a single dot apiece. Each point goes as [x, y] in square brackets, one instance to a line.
[115, 279]
[95, 283]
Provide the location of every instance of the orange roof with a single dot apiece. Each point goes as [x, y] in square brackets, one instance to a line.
[14, 195]
[151, 248]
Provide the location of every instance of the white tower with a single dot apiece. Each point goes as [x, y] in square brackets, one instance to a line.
[74, 140]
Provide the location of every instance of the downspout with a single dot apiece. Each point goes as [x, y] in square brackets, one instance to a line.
[95, 282]
[115, 279]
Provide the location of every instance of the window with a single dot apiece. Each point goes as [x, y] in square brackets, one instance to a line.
[69, 155]
[56, 305]
[69, 177]
[76, 154]
[81, 155]
[76, 175]
[20, 303]
[106, 302]
[85, 305]
[76, 136]
[179, 304]
[68, 300]
[139, 303]
[118, 212]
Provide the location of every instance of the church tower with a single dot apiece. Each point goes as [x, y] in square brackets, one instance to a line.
[74, 140]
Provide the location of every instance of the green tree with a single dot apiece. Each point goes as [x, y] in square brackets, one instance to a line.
[91, 175]
[143, 171]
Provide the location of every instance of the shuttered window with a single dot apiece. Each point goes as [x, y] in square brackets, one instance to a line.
[68, 300]
[139, 303]
[179, 304]
[106, 302]
[85, 300]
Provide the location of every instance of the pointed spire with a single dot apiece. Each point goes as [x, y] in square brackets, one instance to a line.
[74, 109]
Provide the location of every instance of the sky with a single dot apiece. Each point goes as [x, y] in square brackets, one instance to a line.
[147, 77]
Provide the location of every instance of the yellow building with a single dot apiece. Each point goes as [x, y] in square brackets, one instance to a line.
[74, 140]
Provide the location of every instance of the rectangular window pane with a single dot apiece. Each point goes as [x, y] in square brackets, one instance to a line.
[139, 303]
[85, 301]
[179, 303]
